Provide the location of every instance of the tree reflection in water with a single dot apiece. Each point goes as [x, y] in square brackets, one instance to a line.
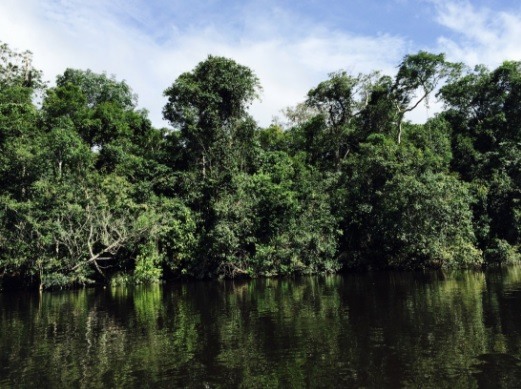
[385, 329]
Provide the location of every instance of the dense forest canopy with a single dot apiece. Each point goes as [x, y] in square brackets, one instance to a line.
[90, 191]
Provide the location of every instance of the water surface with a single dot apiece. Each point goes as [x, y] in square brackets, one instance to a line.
[458, 329]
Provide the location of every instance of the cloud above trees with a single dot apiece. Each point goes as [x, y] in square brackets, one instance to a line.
[149, 44]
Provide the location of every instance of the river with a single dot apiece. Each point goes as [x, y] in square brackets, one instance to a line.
[375, 330]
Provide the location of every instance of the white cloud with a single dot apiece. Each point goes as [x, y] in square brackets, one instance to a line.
[289, 56]
[289, 53]
[480, 35]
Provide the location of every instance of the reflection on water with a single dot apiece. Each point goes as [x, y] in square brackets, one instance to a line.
[458, 329]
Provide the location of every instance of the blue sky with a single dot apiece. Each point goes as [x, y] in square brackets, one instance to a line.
[291, 45]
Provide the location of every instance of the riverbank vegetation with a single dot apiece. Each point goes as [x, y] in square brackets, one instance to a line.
[91, 191]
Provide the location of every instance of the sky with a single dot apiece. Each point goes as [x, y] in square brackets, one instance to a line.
[290, 45]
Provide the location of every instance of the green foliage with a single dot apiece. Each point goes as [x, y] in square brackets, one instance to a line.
[89, 190]
[274, 222]
[485, 114]
[217, 91]
[208, 106]
[428, 222]
[16, 69]
[332, 134]
[273, 138]
[499, 251]
[423, 70]
[148, 264]
[99, 107]
[403, 210]
[419, 73]
[177, 237]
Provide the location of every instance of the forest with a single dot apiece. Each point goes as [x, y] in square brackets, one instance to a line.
[91, 192]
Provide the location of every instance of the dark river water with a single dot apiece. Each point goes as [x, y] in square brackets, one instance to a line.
[375, 330]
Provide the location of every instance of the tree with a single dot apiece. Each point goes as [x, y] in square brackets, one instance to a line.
[401, 207]
[485, 115]
[74, 228]
[19, 132]
[419, 73]
[379, 114]
[16, 69]
[275, 221]
[208, 106]
[428, 222]
[101, 108]
[339, 101]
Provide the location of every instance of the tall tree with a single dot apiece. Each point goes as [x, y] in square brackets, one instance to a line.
[19, 81]
[209, 107]
[339, 101]
[419, 75]
[485, 115]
